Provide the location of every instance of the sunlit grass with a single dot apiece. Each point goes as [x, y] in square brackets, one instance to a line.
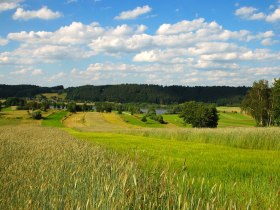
[11, 116]
[118, 165]
[45, 168]
[55, 119]
[136, 120]
[247, 168]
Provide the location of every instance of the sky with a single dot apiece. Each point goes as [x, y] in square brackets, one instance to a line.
[178, 42]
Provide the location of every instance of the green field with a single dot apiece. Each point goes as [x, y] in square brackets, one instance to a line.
[175, 120]
[136, 120]
[111, 161]
[12, 116]
[55, 119]
[227, 119]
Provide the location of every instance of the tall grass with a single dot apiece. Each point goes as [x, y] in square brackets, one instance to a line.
[241, 137]
[247, 138]
[45, 168]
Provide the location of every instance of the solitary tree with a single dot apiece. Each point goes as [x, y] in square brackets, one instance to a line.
[258, 103]
[44, 105]
[199, 114]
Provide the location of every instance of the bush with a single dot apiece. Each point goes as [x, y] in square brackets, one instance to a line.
[157, 118]
[144, 119]
[36, 115]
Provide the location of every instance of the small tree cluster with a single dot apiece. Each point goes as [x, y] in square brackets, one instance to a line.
[119, 108]
[104, 107]
[151, 113]
[174, 109]
[14, 101]
[58, 105]
[200, 114]
[71, 107]
[133, 109]
[263, 103]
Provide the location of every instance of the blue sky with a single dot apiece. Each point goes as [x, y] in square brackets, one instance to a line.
[190, 42]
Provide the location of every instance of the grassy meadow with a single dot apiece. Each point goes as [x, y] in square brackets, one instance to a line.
[55, 119]
[109, 161]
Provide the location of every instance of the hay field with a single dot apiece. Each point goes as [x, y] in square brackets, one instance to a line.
[96, 122]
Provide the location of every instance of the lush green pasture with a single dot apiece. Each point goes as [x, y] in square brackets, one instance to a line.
[136, 120]
[233, 119]
[250, 173]
[55, 119]
[228, 118]
[175, 120]
[229, 109]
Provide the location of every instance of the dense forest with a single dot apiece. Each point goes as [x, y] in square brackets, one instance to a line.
[222, 95]
[27, 91]
[133, 93]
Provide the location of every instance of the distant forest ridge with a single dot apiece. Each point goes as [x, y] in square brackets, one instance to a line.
[27, 91]
[134, 93]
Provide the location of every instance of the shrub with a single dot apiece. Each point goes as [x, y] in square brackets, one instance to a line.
[36, 115]
[144, 119]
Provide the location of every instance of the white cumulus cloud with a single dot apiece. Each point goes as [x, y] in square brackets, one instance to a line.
[275, 16]
[132, 14]
[9, 4]
[251, 13]
[44, 13]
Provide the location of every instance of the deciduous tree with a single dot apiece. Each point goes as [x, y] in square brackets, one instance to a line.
[71, 107]
[258, 103]
[199, 114]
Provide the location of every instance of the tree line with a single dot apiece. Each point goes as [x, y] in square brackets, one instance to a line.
[133, 93]
[27, 91]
